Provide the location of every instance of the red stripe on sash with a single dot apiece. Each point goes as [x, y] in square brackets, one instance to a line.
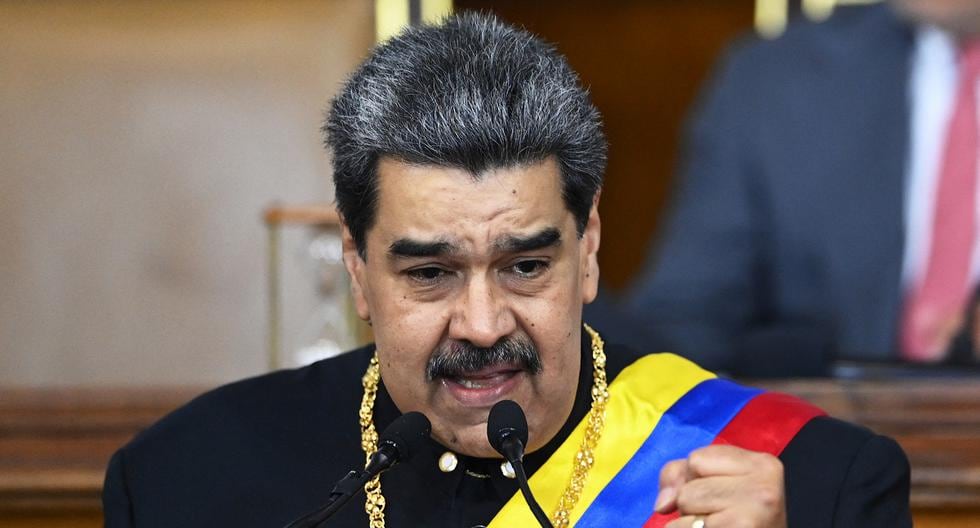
[766, 424]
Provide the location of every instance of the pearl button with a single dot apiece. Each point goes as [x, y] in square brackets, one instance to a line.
[507, 470]
[448, 462]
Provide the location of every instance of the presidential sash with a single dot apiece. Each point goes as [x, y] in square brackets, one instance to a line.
[660, 408]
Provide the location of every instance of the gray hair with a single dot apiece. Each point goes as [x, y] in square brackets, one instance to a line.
[470, 93]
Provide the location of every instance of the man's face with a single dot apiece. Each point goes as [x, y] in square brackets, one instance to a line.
[455, 266]
[961, 17]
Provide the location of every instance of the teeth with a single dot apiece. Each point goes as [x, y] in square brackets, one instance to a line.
[470, 384]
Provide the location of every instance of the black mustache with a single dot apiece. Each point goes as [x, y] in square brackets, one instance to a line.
[456, 358]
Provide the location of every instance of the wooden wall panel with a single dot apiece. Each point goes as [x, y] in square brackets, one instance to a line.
[54, 444]
[937, 423]
[64, 519]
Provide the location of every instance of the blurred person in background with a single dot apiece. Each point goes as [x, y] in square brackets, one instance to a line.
[827, 202]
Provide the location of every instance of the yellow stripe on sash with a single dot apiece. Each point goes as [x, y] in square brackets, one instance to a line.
[638, 398]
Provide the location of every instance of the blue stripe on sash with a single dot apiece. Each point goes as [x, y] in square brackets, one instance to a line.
[692, 422]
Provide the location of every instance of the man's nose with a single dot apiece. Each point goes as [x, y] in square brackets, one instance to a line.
[481, 314]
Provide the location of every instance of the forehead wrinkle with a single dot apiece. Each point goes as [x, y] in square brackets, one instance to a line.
[504, 209]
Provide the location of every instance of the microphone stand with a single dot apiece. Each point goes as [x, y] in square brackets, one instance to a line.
[339, 495]
[346, 488]
[513, 449]
[507, 434]
[398, 442]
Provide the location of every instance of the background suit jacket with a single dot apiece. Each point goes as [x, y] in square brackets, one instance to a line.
[265, 451]
[787, 230]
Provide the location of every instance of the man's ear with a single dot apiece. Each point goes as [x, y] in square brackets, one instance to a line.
[356, 268]
[590, 252]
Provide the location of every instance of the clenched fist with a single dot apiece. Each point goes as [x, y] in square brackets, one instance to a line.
[727, 486]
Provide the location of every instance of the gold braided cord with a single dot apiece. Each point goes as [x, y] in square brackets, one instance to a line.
[584, 459]
[374, 503]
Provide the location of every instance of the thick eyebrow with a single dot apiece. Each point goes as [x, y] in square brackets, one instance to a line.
[408, 248]
[515, 244]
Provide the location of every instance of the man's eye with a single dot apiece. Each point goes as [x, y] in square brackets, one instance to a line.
[427, 274]
[530, 268]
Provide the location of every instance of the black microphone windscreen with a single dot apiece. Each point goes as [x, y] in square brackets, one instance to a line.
[506, 418]
[407, 434]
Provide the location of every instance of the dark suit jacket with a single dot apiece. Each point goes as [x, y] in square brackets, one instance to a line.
[788, 218]
[264, 451]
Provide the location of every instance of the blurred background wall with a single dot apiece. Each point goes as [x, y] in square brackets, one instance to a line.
[140, 141]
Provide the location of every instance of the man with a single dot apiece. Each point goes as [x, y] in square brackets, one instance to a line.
[827, 207]
[467, 163]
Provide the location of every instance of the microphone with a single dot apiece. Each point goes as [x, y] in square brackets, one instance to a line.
[507, 433]
[398, 443]
[507, 430]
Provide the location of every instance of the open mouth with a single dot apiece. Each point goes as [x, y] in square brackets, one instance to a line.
[484, 387]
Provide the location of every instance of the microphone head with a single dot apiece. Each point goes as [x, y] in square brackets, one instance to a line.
[406, 434]
[506, 419]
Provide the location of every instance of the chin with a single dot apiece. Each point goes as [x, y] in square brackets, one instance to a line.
[467, 440]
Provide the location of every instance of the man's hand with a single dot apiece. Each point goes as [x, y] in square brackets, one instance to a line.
[727, 486]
